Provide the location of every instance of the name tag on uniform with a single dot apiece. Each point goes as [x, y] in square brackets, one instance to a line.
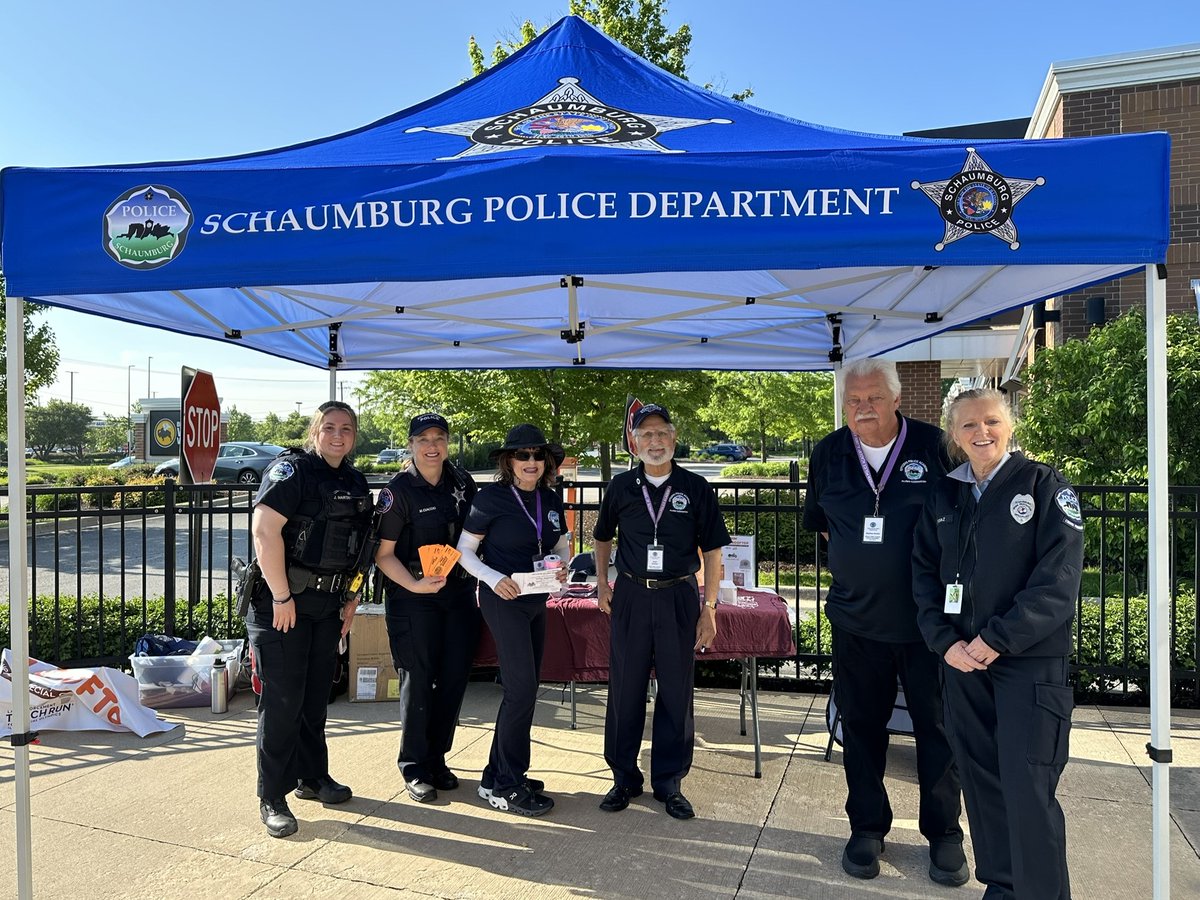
[872, 529]
[654, 557]
[954, 594]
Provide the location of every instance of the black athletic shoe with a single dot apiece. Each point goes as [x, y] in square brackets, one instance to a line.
[861, 856]
[324, 789]
[521, 800]
[948, 863]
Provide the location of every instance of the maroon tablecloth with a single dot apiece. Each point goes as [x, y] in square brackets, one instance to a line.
[577, 635]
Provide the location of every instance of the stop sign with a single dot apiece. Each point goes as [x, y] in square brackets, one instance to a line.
[200, 436]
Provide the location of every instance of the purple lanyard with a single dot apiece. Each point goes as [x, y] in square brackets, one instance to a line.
[891, 462]
[654, 517]
[536, 523]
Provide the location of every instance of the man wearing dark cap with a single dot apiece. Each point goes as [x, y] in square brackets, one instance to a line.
[663, 515]
[432, 621]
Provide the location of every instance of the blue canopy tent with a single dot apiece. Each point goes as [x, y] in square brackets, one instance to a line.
[576, 205]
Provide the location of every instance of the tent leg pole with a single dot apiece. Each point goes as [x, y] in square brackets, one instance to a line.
[1159, 588]
[332, 383]
[18, 590]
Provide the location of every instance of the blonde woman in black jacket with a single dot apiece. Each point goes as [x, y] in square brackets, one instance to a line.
[996, 567]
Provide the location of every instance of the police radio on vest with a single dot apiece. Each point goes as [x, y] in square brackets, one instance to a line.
[202, 427]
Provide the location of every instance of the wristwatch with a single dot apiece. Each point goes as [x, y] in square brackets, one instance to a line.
[712, 605]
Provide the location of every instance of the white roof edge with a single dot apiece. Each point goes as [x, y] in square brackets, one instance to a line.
[1115, 70]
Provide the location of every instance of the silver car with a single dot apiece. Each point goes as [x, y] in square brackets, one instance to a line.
[241, 462]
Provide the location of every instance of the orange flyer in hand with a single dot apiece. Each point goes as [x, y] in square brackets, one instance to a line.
[437, 559]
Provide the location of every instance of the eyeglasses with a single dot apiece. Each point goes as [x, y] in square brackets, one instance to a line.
[855, 402]
[653, 435]
[335, 404]
[526, 455]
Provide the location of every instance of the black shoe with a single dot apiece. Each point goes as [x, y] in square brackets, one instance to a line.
[948, 863]
[677, 805]
[277, 817]
[521, 800]
[618, 798]
[420, 790]
[324, 789]
[861, 856]
[444, 780]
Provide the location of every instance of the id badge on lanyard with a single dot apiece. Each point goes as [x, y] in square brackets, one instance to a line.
[655, 552]
[872, 532]
[954, 599]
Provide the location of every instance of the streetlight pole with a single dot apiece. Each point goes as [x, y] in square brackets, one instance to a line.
[72, 374]
[149, 359]
[129, 408]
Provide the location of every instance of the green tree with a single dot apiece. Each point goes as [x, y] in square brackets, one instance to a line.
[239, 426]
[41, 354]
[289, 432]
[639, 26]
[1086, 408]
[113, 433]
[758, 406]
[578, 408]
[57, 424]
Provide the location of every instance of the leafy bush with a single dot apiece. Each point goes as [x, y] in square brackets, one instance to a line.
[774, 528]
[1132, 650]
[80, 632]
[756, 470]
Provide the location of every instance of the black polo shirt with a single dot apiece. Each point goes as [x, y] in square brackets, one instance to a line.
[871, 593]
[417, 513]
[509, 536]
[690, 521]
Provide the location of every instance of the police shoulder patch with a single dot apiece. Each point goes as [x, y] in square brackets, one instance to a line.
[385, 500]
[555, 521]
[914, 470]
[1068, 502]
[281, 471]
[679, 502]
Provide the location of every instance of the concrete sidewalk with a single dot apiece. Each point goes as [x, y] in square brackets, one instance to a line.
[175, 815]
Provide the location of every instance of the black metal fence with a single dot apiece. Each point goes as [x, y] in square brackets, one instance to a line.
[109, 563]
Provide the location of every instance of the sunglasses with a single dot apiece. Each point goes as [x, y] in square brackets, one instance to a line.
[526, 455]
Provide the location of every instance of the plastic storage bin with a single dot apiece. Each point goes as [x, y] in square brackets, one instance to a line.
[166, 682]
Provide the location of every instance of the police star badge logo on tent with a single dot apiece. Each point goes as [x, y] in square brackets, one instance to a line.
[146, 227]
[1022, 508]
[567, 116]
[977, 200]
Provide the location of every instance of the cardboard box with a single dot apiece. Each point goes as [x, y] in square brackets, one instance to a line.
[372, 676]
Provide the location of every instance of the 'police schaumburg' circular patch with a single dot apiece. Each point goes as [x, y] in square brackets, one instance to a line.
[385, 500]
[1068, 502]
[679, 502]
[554, 519]
[281, 471]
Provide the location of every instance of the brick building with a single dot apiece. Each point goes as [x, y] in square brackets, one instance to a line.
[1152, 90]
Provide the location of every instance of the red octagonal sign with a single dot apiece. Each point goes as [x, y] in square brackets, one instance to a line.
[200, 436]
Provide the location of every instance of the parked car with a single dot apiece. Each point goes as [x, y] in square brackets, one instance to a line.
[242, 462]
[730, 451]
[124, 462]
[393, 455]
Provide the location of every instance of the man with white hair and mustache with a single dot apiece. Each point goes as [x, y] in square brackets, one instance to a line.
[867, 485]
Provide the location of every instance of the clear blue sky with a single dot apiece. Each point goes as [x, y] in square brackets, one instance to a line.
[87, 83]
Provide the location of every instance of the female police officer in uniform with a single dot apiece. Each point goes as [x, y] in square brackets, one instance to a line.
[519, 521]
[996, 567]
[432, 622]
[311, 517]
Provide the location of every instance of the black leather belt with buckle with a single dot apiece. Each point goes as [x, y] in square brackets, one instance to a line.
[656, 584]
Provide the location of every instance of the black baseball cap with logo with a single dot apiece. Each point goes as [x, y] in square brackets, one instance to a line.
[425, 421]
[651, 409]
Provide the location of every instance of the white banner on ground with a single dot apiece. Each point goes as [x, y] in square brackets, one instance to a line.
[99, 699]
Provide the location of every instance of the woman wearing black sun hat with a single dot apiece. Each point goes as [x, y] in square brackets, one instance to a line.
[517, 526]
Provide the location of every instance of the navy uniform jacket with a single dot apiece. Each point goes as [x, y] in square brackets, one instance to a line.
[1021, 553]
[417, 513]
[872, 583]
[692, 520]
